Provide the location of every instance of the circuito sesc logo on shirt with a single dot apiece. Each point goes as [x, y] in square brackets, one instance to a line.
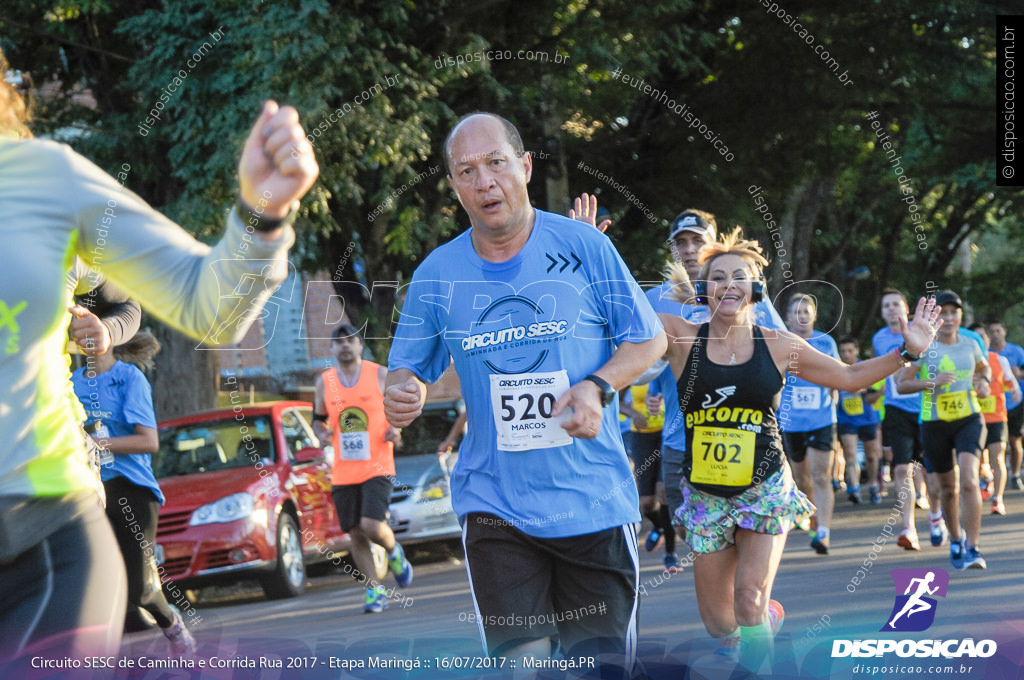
[510, 333]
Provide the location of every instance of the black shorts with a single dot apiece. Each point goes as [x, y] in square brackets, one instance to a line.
[356, 501]
[797, 443]
[1015, 420]
[578, 590]
[995, 433]
[866, 433]
[645, 450]
[943, 438]
[901, 432]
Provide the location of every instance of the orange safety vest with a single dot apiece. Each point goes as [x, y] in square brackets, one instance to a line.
[356, 416]
[993, 407]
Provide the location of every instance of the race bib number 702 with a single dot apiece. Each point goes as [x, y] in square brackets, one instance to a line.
[523, 404]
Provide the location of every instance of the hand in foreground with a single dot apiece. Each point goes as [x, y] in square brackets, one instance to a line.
[921, 331]
[584, 398]
[402, 403]
[89, 332]
[585, 210]
[982, 388]
[277, 167]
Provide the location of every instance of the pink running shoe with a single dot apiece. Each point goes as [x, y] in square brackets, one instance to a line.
[776, 615]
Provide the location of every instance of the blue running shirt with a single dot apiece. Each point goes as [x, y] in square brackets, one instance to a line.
[520, 333]
[805, 406]
[884, 342]
[1015, 355]
[120, 398]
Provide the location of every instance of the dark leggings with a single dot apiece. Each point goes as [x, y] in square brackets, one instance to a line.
[63, 597]
[133, 511]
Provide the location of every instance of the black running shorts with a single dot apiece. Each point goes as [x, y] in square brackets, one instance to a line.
[901, 432]
[995, 433]
[580, 591]
[797, 443]
[944, 439]
[356, 501]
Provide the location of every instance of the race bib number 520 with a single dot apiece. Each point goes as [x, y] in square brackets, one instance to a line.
[523, 404]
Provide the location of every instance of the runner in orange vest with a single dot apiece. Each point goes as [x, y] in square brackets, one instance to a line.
[348, 412]
[993, 408]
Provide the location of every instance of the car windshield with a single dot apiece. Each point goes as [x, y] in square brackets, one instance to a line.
[212, 445]
[427, 431]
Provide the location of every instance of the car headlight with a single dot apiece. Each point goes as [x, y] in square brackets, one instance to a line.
[227, 509]
[434, 489]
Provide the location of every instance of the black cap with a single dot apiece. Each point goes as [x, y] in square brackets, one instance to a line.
[690, 220]
[346, 331]
[948, 297]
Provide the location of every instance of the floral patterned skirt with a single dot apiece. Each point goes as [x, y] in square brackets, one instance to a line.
[771, 507]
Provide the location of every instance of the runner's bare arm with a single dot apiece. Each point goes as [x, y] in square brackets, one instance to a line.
[983, 379]
[907, 381]
[793, 354]
[320, 429]
[1009, 384]
[145, 440]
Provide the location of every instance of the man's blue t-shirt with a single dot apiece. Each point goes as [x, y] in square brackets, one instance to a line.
[121, 398]
[805, 406]
[520, 333]
[1015, 355]
[673, 433]
[884, 342]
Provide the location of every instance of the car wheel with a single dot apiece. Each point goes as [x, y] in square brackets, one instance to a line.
[289, 576]
[380, 560]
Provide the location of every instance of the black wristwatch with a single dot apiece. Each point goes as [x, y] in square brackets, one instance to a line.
[256, 219]
[607, 391]
[907, 357]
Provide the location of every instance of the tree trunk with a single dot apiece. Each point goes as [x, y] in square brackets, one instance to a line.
[185, 380]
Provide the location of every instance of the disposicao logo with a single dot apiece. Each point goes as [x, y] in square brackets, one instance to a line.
[912, 612]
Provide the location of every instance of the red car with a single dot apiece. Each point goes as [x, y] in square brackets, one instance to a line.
[248, 495]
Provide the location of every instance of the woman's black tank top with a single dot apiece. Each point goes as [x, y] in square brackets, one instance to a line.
[732, 432]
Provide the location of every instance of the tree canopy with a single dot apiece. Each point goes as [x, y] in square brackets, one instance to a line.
[645, 95]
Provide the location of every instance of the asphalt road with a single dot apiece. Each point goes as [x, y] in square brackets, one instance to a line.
[825, 598]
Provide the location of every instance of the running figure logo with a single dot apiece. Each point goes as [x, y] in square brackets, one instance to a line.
[914, 611]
